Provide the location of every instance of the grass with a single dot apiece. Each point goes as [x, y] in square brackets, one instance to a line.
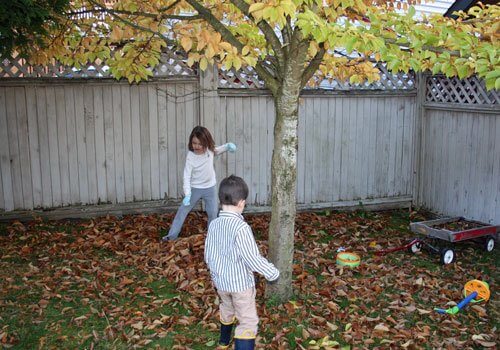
[108, 284]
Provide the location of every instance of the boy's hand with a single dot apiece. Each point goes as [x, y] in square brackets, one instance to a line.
[257, 279]
[187, 200]
[273, 281]
[231, 147]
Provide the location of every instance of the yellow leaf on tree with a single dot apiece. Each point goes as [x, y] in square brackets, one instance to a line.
[186, 43]
[116, 34]
[203, 63]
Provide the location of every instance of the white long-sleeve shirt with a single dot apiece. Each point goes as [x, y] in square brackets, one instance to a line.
[199, 170]
[232, 254]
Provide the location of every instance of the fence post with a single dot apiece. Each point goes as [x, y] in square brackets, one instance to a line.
[211, 116]
[419, 142]
[208, 94]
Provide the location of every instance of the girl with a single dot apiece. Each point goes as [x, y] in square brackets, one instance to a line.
[199, 178]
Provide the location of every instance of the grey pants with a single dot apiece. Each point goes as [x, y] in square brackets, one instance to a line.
[209, 196]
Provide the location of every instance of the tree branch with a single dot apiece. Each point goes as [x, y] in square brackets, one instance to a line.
[313, 66]
[136, 26]
[268, 78]
[171, 6]
[266, 29]
[157, 16]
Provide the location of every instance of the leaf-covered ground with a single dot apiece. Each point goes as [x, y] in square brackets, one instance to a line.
[109, 283]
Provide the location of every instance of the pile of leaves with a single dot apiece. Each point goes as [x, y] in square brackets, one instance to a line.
[110, 283]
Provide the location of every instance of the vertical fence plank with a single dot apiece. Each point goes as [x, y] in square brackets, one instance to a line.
[301, 152]
[128, 153]
[337, 155]
[145, 146]
[15, 157]
[247, 144]
[53, 146]
[463, 149]
[153, 140]
[452, 177]
[316, 154]
[81, 115]
[62, 140]
[34, 146]
[23, 143]
[256, 149]
[191, 109]
[5, 154]
[227, 110]
[357, 172]
[136, 141]
[392, 115]
[308, 149]
[119, 159]
[239, 134]
[325, 153]
[163, 148]
[55, 170]
[262, 133]
[220, 130]
[109, 144]
[88, 100]
[379, 147]
[370, 155]
[182, 134]
[270, 140]
[408, 146]
[398, 116]
[482, 168]
[100, 146]
[43, 136]
[71, 130]
[172, 143]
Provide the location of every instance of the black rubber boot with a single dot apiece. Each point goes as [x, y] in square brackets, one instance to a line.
[225, 334]
[244, 344]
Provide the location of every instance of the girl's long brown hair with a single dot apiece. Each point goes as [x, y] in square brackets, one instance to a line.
[202, 134]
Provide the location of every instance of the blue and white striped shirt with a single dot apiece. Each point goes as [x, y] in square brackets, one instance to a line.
[232, 254]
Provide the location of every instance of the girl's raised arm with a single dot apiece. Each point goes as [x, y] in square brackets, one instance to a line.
[227, 147]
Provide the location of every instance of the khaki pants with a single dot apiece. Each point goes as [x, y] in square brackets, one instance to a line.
[242, 306]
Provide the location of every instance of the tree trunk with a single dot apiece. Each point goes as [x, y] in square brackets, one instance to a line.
[284, 174]
[284, 167]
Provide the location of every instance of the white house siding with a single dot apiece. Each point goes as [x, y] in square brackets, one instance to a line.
[435, 7]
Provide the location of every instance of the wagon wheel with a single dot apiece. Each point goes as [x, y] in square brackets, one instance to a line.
[416, 247]
[447, 256]
[489, 243]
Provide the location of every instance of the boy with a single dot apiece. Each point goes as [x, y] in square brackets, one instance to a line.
[232, 256]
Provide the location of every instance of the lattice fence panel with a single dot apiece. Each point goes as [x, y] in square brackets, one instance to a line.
[246, 78]
[463, 91]
[172, 63]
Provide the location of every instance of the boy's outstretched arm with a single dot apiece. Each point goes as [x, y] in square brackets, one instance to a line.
[249, 252]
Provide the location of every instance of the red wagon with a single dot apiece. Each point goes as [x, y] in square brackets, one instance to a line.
[452, 230]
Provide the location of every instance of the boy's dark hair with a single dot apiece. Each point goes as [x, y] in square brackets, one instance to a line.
[232, 190]
[205, 137]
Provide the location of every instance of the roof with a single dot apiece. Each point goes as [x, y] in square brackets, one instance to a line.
[464, 5]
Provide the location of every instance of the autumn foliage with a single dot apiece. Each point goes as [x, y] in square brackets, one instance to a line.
[110, 283]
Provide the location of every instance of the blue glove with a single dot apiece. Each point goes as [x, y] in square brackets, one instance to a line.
[231, 147]
[186, 201]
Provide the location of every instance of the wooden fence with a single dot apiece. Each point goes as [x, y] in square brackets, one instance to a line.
[69, 142]
[99, 142]
[459, 170]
